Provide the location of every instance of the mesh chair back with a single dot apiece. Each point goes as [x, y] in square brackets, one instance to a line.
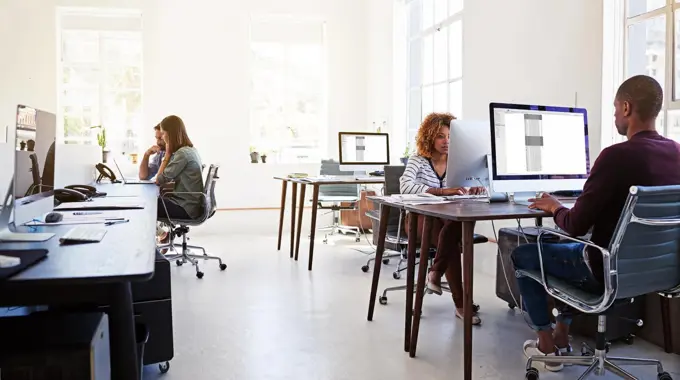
[392, 175]
[645, 249]
[35, 169]
[210, 202]
[331, 167]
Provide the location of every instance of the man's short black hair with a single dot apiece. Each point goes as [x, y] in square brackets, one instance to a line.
[644, 94]
[157, 127]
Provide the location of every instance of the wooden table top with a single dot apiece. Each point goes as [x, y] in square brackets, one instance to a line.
[468, 211]
[335, 180]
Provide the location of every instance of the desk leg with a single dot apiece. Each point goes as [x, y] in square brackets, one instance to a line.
[292, 220]
[410, 274]
[666, 323]
[315, 205]
[382, 232]
[124, 364]
[420, 287]
[468, 266]
[284, 186]
[301, 208]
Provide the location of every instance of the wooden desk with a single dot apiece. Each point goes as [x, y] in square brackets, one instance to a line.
[95, 274]
[315, 183]
[466, 213]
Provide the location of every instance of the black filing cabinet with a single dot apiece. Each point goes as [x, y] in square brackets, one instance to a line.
[152, 305]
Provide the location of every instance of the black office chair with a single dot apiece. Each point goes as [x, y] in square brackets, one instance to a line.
[397, 232]
[35, 172]
[180, 227]
[643, 257]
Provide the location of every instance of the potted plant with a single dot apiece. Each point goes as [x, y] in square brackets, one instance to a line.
[406, 155]
[254, 156]
[264, 157]
[101, 141]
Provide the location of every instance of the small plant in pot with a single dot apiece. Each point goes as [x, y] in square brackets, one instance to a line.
[406, 155]
[254, 156]
[101, 141]
[264, 157]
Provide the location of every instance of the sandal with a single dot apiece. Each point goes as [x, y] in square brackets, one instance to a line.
[434, 284]
[476, 321]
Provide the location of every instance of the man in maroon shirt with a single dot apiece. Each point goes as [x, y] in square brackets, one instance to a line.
[645, 159]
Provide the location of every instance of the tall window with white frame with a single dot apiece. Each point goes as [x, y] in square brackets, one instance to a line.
[435, 50]
[100, 77]
[288, 119]
[649, 26]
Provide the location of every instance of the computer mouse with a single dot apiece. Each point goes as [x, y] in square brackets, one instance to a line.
[53, 217]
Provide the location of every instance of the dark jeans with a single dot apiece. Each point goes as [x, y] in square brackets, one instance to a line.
[565, 261]
[174, 211]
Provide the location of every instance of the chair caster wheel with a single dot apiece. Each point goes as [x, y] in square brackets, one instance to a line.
[664, 376]
[365, 269]
[358, 240]
[223, 266]
[511, 306]
[629, 340]
[382, 300]
[164, 367]
[199, 274]
[179, 263]
[386, 261]
[396, 275]
[532, 374]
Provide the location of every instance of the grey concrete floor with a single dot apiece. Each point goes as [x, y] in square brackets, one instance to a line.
[267, 317]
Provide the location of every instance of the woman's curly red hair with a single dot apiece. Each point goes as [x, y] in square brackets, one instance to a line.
[428, 131]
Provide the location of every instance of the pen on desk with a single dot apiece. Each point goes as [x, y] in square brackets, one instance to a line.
[116, 222]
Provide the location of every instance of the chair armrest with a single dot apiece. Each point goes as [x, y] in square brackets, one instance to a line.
[577, 304]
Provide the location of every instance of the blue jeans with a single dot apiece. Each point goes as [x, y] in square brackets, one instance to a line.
[565, 261]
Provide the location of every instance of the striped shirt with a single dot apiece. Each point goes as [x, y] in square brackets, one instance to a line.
[420, 176]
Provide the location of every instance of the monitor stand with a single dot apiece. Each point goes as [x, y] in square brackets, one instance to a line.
[360, 174]
[8, 231]
[522, 198]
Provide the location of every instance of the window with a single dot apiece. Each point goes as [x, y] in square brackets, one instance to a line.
[648, 25]
[100, 77]
[435, 50]
[288, 93]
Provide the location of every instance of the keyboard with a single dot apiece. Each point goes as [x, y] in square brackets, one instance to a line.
[83, 234]
[467, 196]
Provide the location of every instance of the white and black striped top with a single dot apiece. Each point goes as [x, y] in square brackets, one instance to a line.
[420, 176]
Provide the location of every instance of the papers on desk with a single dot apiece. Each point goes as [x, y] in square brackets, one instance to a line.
[429, 199]
[103, 204]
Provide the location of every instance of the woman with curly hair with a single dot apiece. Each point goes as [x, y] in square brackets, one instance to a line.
[426, 173]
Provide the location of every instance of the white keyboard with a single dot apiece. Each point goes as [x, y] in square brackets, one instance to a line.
[467, 196]
[83, 234]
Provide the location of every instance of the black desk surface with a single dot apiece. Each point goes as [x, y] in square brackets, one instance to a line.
[126, 252]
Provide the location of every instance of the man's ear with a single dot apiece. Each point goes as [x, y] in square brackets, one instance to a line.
[627, 109]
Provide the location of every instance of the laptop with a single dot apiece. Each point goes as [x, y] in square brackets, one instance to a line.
[132, 181]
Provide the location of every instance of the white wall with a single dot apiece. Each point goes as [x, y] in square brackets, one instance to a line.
[196, 57]
[534, 51]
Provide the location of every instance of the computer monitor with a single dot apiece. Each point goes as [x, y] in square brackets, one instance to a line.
[363, 151]
[34, 138]
[538, 148]
[469, 146]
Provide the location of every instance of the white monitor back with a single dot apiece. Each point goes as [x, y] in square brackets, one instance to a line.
[469, 146]
[75, 164]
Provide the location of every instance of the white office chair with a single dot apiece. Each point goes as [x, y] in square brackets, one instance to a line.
[180, 227]
[331, 197]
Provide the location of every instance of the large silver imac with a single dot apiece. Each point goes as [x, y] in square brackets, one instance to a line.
[34, 163]
[363, 151]
[538, 148]
[469, 147]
